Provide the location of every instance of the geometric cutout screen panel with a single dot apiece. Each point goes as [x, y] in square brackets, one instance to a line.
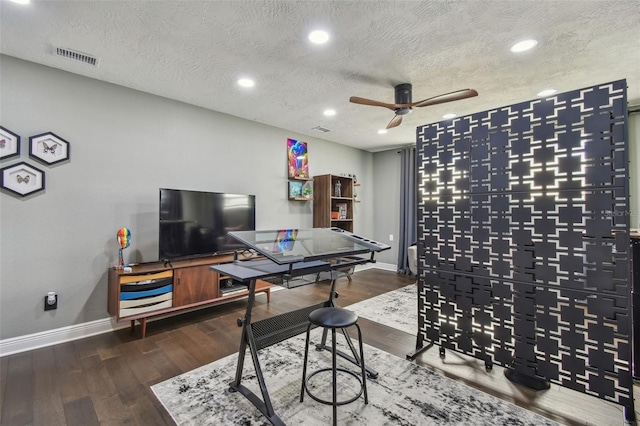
[523, 239]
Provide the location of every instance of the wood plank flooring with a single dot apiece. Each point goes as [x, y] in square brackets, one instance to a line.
[106, 379]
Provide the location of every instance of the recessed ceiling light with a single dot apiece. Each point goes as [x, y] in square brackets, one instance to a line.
[329, 112]
[382, 131]
[524, 45]
[319, 36]
[246, 82]
[21, 1]
[448, 116]
[547, 92]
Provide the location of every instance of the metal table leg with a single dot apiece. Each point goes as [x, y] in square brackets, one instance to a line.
[247, 339]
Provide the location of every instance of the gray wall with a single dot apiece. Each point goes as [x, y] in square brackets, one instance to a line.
[386, 181]
[124, 146]
[386, 221]
[634, 171]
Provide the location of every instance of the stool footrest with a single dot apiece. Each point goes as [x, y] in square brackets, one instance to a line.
[323, 401]
[371, 373]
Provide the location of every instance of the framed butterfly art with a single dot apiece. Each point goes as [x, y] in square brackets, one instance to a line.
[9, 144]
[49, 148]
[22, 179]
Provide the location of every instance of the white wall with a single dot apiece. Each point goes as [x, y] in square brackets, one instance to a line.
[124, 146]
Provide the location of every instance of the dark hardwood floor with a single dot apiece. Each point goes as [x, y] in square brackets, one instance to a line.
[106, 379]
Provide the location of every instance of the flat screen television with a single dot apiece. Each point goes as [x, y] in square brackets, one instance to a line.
[195, 223]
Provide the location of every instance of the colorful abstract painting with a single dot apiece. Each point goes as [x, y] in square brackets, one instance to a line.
[298, 159]
[285, 240]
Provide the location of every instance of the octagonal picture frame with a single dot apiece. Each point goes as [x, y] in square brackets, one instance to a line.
[49, 148]
[22, 179]
[9, 144]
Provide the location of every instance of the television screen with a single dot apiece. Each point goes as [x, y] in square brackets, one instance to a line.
[194, 223]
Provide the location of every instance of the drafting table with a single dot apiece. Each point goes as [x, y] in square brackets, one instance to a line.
[289, 253]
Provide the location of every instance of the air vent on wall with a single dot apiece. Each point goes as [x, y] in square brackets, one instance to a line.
[321, 129]
[74, 55]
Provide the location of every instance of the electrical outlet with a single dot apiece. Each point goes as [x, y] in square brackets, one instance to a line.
[390, 237]
[50, 301]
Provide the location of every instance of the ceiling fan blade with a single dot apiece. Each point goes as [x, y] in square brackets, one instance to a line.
[371, 102]
[395, 122]
[447, 97]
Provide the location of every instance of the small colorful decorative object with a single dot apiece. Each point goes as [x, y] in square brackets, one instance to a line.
[124, 239]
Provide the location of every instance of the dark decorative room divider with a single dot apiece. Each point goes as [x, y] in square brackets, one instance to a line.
[523, 239]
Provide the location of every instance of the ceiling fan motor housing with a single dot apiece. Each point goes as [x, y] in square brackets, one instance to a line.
[403, 96]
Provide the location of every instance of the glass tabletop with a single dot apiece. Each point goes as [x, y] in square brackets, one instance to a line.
[298, 245]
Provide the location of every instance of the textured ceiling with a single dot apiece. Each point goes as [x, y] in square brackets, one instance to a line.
[194, 51]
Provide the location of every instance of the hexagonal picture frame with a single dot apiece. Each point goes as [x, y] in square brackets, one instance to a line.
[49, 148]
[9, 144]
[22, 179]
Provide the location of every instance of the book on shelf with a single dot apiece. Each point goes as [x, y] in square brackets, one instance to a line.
[342, 210]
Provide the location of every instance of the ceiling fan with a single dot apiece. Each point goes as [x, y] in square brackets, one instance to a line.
[403, 104]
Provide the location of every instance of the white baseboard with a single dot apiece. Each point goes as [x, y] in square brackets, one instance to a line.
[42, 339]
[59, 335]
[386, 266]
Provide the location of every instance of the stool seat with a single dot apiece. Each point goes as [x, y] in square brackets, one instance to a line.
[333, 318]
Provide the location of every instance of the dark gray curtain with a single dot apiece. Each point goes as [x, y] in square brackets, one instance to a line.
[408, 207]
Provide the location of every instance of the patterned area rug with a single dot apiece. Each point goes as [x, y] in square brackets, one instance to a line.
[396, 309]
[403, 394]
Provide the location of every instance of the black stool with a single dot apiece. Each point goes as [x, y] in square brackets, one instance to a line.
[333, 318]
